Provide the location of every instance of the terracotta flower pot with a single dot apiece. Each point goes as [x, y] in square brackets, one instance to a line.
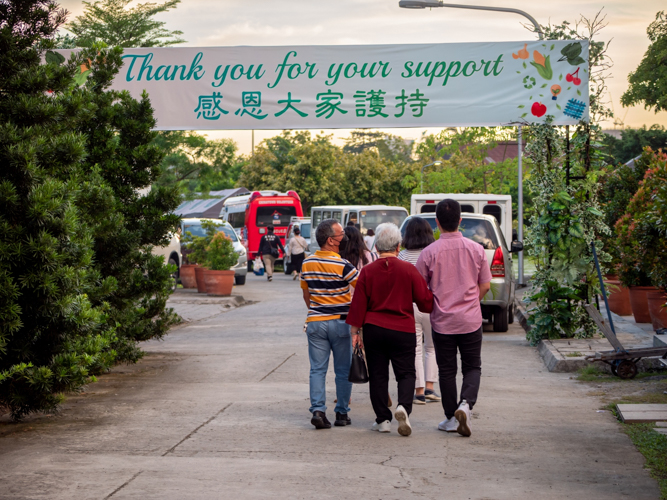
[219, 282]
[187, 274]
[199, 274]
[619, 298]
[656, 300]
[639, 303]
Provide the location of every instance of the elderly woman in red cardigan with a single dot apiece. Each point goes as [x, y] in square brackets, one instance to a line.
[382, 305]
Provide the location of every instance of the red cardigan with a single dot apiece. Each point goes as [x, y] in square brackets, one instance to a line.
[384, 295]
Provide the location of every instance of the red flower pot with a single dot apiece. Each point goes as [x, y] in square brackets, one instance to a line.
[219, 282]
[618, 298]
[656, 301]
[639, 303]
[199, 274]
[187, 274]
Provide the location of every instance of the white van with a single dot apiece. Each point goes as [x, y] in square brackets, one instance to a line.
[497, 205]
[365, 217]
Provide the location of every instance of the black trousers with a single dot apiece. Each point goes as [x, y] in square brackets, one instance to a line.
[470, 347]
[296, 260]
[382, 346]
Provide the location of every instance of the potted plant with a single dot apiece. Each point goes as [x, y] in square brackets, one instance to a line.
[195, 252]
[642, 235]
[220, 257]
[619, 184]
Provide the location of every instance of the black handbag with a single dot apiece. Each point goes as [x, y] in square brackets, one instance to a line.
[275, 253]
[358, 370]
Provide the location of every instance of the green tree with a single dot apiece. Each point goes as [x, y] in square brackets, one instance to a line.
[52, 338]
[632, 143]
[111, 22]
[134, 215]
[195, 164]
[648, 83]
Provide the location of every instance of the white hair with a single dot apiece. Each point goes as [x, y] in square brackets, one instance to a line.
[387, 237]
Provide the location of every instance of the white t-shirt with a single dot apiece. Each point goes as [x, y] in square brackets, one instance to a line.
[369, 240]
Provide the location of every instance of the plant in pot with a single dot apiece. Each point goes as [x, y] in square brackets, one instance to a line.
[618, 186]
[642, 240]
[195, 251]
[220, 257]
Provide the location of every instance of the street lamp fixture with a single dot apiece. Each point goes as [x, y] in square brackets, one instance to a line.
[429, 4]
[421, 184]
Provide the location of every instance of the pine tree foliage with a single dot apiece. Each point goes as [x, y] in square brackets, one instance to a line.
[52, 338]
[131, 217]
[111, 22]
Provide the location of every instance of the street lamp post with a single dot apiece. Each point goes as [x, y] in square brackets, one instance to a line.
[424, 4]
[421, 177]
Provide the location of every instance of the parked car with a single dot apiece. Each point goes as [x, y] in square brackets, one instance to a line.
[195, 228]
[303, 223]
[172, 254]
[497, 304]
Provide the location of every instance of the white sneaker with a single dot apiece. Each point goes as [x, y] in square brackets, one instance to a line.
[448, 425]
[382, 426]
[404, 427]
[462, 414]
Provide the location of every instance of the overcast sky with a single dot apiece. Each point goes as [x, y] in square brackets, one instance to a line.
[308, 22]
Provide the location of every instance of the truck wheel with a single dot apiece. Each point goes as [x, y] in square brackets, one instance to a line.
[239, 280]
[250, 265]
[500, 317]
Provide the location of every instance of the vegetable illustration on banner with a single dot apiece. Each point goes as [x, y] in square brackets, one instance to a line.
[548, 61]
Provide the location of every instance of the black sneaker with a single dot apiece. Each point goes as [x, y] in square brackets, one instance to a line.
[342, 420]
[320, 421]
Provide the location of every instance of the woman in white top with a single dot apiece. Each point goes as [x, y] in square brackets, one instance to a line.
[419, 235]
[355, 250]
[296, 250]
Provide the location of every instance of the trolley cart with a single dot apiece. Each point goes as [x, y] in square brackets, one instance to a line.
[623, 361]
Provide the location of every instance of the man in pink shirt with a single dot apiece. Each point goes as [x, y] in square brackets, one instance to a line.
[457, 272]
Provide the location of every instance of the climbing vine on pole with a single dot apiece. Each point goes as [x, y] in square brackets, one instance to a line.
[567, 217]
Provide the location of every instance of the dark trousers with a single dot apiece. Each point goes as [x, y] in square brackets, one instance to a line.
[296, 260]
[382, 346]
[470, 347]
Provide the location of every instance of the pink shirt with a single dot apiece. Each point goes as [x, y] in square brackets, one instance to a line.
[453, 267]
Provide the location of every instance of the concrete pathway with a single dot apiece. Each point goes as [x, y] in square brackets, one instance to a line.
[219, 410]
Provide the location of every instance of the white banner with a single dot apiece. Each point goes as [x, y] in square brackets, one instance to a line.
[364, 86]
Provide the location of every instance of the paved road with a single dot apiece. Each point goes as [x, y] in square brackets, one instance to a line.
[219, 410]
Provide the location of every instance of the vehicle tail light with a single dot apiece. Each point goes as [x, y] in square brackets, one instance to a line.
[498, 264]
[293, 194]
[254, 196]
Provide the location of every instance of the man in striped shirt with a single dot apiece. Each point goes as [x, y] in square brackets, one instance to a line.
[326, 279]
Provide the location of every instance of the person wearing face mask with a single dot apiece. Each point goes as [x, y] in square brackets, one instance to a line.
[326, 282]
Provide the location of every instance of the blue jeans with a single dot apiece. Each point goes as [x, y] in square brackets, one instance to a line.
[324, 337]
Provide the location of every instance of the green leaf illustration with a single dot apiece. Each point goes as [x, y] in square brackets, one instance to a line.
[545, 71]
[558, 106]
[560, 77]
[572, 52]
[524, 65]
[524, 115]
[552, 46]
[578, 92]
[543, 85]
[521, 106]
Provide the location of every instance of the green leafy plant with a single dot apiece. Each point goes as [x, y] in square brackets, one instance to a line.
[195, 246]
[220, 254]
[643, 229]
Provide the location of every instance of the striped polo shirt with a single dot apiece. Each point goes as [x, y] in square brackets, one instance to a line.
[328, 278]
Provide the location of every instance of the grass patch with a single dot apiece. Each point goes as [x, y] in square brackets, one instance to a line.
[591, 373]
[575, 354]
[654, 448]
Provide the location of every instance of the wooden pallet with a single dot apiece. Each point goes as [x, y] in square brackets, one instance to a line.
[642, 413]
